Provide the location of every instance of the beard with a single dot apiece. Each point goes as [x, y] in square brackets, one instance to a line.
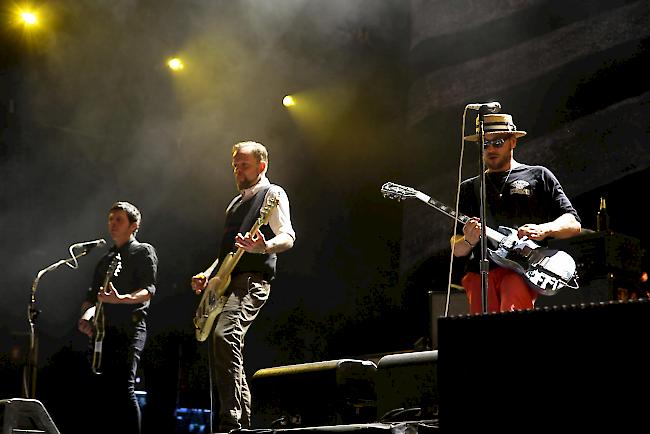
[498, 164]
[246, 183]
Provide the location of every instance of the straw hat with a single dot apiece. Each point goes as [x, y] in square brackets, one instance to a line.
[497, 123]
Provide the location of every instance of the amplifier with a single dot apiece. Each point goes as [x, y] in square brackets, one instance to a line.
[597, 254]
[333, 392]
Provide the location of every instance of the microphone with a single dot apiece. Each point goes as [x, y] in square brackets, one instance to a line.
[490, 107]
[89, 245]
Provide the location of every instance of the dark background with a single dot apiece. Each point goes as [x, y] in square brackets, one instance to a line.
[90, 114]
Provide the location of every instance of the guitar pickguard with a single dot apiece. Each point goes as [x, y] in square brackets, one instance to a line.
[546, 270]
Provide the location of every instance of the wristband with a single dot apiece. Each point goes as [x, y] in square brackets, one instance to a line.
[470, 244]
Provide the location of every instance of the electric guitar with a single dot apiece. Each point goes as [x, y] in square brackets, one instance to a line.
[95, 314]
[214, 298]
[545, 270]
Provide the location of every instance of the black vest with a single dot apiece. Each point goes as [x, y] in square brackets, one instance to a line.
[240, 219]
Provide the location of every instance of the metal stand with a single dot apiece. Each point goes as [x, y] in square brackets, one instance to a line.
[29, 371]
[484, 264]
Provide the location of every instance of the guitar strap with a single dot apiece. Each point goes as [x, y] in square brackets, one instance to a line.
[253, 213]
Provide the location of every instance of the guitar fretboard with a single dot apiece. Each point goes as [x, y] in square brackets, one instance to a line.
[461, 218]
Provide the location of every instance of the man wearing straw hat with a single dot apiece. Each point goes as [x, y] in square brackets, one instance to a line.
[527, 198]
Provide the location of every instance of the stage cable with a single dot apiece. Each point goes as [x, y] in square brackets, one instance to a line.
[210, 345]
[460, 174]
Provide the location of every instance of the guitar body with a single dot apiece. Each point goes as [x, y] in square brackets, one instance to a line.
[98, 338]
[545, 270]
[213, 299]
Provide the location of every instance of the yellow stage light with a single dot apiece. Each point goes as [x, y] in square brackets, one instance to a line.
[28, 18]
[288, 101]
[175, 64]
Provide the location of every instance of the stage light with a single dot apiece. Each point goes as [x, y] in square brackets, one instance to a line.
[288, 101]
[175, 64]
[28, 18]
[25, 16]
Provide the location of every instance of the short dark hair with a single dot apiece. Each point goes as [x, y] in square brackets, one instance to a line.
[132, 212]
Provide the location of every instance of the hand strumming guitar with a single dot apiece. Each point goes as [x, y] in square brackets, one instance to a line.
[199, 282]
[84, 325]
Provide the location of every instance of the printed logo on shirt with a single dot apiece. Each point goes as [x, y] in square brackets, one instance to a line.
[520, 187]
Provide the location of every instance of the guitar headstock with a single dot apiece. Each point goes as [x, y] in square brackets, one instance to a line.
[115, 266]
[271, 202]
[113, 269]
[398, 192]
[118, 267]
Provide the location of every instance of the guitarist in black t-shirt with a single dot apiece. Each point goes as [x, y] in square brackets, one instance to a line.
[124, 303]
[526, 198]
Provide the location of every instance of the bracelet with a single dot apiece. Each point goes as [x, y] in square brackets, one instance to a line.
[470, 244]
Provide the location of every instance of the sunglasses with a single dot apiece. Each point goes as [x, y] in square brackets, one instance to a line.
[496, 143]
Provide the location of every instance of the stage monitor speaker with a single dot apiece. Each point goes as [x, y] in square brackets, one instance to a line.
[311, 394]
[406, 386]
[25, 415]
[458, 305]
[576, 367]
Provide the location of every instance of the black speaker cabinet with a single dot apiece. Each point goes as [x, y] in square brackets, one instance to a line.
[590, 291]
[458, 305]
[406, 386]
[578, 367]
[25, 415]
[311, 394]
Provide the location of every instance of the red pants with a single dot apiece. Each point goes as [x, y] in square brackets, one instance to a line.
[507, 291]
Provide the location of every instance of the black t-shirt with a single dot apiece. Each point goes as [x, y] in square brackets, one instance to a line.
[526, 194]
[138, 270]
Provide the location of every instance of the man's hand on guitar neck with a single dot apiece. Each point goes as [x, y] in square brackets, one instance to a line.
[463, 245]
[472, 231]
[110, 295]
[252, 244]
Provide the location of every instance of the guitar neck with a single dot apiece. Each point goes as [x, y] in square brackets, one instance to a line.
[233, 258]
[210, 269]
[461, 218]
[97, 310]
[230, 261]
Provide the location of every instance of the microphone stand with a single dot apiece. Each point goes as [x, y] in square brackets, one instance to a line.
[29, 371]
[484, 264]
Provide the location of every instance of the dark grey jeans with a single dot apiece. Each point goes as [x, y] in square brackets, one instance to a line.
[248, 293]
[115, 387]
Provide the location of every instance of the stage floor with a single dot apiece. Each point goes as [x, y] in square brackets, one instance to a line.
[407, 427]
